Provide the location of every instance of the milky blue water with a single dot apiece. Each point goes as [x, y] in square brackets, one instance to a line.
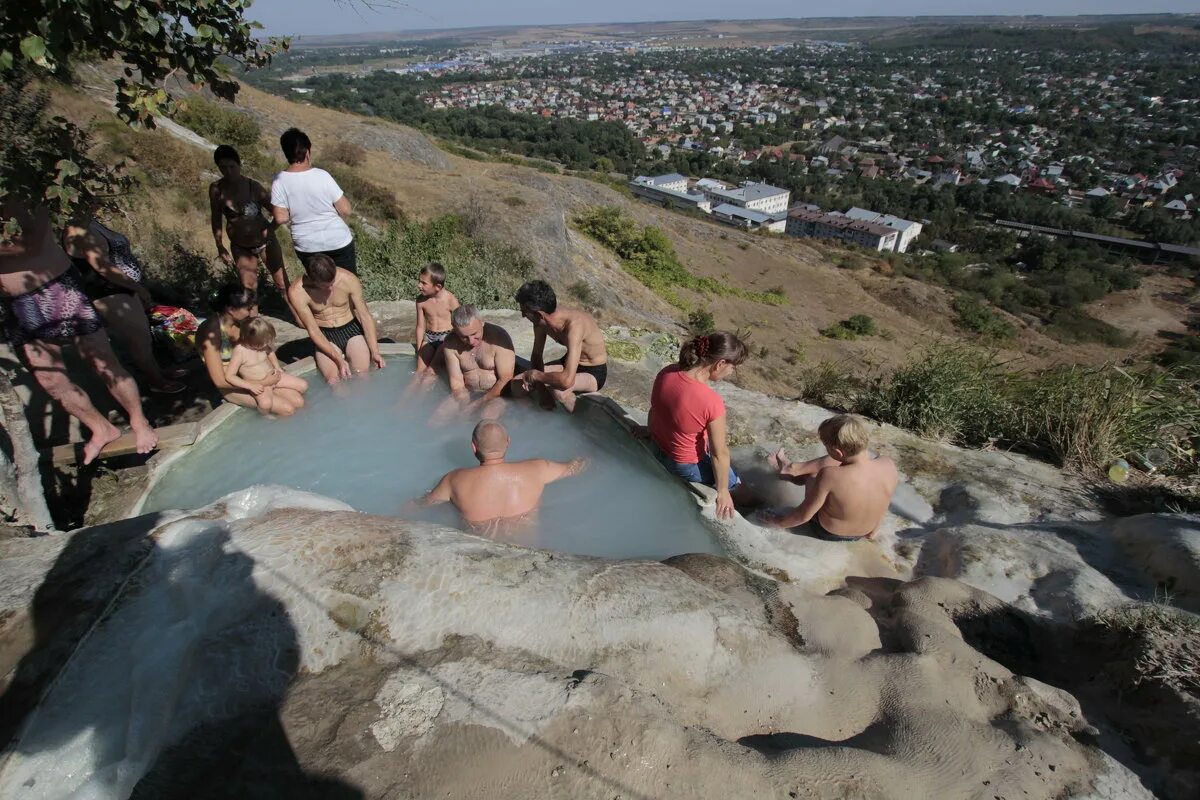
[372, 443]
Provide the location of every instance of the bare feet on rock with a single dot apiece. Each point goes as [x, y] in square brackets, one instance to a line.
[100, 439]
[146, 438]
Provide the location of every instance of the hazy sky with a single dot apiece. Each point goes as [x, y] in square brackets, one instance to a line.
[329, 16]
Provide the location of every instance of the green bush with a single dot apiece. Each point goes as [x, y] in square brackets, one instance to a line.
[973, 315]
[700, 322]
[219, 124]
[648, 255]
[850, 329]
[1072, 415]
[480, 272]
[1183, 353]
[1071, 325]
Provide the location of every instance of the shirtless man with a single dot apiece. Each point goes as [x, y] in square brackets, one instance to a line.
[47, 308]
[847, 491]
[329, 303]
[498, 497]
[479, 357]
[585, 366]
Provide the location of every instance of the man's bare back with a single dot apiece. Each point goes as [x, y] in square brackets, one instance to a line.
[496, 490]
[592, 352]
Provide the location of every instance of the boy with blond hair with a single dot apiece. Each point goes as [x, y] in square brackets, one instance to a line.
[846, 493]
[435, 304]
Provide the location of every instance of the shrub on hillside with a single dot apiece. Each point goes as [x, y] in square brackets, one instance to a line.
[973, 315]
[1074, 326]
[700, 322]
[219, 124]
[851, 329]
[481, 272]
[647, 254]
[1078, 416]
[367, 197]
[344, 152]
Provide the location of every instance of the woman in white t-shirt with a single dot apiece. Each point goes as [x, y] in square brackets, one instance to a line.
[310, 202]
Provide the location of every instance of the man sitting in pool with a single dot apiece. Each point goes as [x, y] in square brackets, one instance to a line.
[328, 301]
[585, 366]
[846, 493]
[498, 498]
[479, 357]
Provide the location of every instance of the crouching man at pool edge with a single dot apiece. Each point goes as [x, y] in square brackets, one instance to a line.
[497, 498]
[328, 301]
[585, 366]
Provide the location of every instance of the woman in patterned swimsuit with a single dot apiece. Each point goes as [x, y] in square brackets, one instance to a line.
[240, 201]
[47, 308]
[112, 281]
[216, 337]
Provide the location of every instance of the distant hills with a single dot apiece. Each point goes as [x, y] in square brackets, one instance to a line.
[780, 31]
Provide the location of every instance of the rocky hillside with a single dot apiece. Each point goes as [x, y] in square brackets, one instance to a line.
[534, 211]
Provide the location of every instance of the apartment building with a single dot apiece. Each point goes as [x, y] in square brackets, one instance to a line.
[907, 229]
[669, 189]
[761, 197]
[803, 222]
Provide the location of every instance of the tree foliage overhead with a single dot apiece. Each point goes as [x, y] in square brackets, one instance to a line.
[45, 158]
[155, 39]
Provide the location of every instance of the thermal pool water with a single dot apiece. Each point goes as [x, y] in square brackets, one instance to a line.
[374, 447]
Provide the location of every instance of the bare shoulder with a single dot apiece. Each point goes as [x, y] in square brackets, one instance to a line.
[885, 464]
[348, 279]
[447, 297]
[494, 334]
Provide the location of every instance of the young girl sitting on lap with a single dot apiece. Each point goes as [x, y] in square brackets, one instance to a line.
[254, 367]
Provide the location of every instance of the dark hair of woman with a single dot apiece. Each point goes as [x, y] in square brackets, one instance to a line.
[225, 152]
[710, 348]
[234, 296]
[295, 144]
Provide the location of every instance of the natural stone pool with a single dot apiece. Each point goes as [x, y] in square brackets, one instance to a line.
[374, 447]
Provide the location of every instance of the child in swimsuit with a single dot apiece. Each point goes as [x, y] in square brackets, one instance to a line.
[253, 366]
[435, 303]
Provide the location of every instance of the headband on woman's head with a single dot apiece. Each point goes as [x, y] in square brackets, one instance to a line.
[702, 345]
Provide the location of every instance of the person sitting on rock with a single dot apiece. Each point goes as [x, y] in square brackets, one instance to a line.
[847, 492]
[585, 366]
[328, 301]
[498, 498]
[479, 357]
[687, 420]
[254, 368]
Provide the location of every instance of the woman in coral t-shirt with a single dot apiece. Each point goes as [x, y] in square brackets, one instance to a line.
[687, 417]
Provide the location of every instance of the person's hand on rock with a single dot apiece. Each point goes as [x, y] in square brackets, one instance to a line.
[778, 461]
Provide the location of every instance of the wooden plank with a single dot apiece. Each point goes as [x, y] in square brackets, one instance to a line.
[170, 436]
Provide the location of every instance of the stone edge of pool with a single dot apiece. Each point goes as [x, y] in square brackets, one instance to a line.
[704, 496]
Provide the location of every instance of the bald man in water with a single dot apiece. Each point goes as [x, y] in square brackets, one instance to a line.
[497, 495]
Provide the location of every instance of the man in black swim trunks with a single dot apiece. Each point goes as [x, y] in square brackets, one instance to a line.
[329, 303]
[585, 366]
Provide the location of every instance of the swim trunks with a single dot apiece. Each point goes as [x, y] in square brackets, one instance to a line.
[58, 309]
[815, 527]
[599, 371]
[340, 336]
[436, 337]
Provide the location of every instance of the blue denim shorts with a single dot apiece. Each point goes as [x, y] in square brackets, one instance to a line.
[701, 472]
